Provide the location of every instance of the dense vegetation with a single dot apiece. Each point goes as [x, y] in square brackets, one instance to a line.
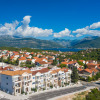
[63, 65]
[28, 64]
[25, 49]
[90, 54]
[8, 61]
[93, 95]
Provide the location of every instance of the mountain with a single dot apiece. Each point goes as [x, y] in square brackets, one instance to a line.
[64, 42]
[88, 42]
[88, 38]
[27, 42]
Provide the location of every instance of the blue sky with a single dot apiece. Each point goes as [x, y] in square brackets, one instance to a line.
[47, 19]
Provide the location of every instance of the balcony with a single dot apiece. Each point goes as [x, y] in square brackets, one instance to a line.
[18, 80]
[17, 85]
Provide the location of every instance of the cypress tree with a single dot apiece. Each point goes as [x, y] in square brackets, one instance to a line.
[74, 76]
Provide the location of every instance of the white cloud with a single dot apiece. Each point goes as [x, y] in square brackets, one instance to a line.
[26, 21]
[95, 25]
[86, 30]
[24, 29]
[33, 31]
[63, 33]
[81, 31]
[8, 28]
[78, 35]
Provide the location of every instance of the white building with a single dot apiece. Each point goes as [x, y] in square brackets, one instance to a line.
[15, 82]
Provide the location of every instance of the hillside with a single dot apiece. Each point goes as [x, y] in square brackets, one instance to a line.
[27, 42]
[88, 43]
[66, 43]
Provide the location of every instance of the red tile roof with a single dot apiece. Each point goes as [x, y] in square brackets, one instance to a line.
[72, 62]
[91, 65]
[22, 58]
[79, 69]
[64, 63]
[88, 70]
[44, 70]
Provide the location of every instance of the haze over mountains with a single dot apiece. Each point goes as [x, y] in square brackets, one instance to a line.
[27, 42]
[87, 42]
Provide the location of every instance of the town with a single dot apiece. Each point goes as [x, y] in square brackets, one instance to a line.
[24, 72]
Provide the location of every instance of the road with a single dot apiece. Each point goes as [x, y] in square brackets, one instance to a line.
[96, 84]
[52, 94]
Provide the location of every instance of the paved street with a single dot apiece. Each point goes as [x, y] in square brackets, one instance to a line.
[52, 94]
[87, 84]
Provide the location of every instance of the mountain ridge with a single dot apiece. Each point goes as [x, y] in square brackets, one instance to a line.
[27, 42]
[86, 42]
[20, 42]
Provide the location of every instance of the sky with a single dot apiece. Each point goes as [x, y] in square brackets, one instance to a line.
[48, 19]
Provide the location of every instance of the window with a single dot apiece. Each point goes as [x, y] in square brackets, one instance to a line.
[6, 89]
[29, 76]
[6, 77]
[33, 77]
[37, 77]
[33, 83]
[41, 75]
[6, 83]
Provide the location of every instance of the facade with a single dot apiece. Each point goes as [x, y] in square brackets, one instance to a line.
[15, 82]
[46, 78]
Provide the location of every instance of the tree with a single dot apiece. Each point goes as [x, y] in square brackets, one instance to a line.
[63, 65]
[8, 59]
[80, 63]
[54, 62]
[1, 59]
[60, 58]
[85, 66]
[93, 95]
[28, 62]
[89, 79]
[22, 64]
[17, 61]
[74, 76]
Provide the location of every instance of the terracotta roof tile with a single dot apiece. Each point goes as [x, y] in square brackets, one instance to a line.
[44, 70]
[22, 58]
[13, 73]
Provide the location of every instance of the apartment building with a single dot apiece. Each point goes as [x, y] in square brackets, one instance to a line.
[15, 82]
[61, 77]
[18, 81]
[39, 79]
[45, 78]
